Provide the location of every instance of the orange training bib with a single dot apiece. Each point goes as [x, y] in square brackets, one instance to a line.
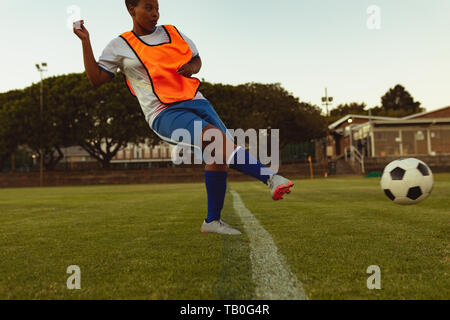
[162, 62]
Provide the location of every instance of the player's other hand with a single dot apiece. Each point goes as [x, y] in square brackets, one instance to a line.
[82, 33]
[187, 70]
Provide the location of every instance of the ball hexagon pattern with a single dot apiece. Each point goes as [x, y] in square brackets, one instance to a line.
[407, 181]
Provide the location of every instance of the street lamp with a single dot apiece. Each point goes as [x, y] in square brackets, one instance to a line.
[41, 68]
[327, 101]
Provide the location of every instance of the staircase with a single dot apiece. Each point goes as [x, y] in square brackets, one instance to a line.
[344, 168]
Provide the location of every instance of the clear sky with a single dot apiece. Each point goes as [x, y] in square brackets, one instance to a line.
[306, 45]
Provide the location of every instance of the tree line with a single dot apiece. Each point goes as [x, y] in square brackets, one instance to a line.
[397, 102]
[106, 119]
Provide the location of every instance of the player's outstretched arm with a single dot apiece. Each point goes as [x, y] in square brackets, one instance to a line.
[96, 76]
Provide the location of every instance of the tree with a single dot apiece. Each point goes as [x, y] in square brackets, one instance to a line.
[8, 126]
[36, 131]
[108, 119]
[8, 138]
[266, 106]
[343, 110]
[101, 121]
[9, 96]
[397, 102]
[47, 131]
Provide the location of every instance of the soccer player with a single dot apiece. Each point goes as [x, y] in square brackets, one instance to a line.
[158, 62]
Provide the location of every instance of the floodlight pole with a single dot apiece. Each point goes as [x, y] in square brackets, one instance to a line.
[41, 69]
[327, 101]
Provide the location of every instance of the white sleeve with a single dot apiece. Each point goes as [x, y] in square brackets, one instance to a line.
[110, 61]
[191, 45]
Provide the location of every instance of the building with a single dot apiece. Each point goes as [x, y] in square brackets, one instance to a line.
[77, 157]
[340, 139]
[426, 133]
[359, 137]
[143, 153]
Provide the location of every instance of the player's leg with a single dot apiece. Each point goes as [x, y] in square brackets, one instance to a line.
[238, 158]
[179, 116]
[216, 186]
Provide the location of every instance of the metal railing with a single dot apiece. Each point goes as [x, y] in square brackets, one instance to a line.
[355, 157]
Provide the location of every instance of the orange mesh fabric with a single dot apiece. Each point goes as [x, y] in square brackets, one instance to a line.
[162, 62]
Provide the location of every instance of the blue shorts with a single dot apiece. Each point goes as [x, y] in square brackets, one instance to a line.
[187, 115]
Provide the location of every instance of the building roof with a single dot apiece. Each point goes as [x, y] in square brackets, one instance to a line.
[337, 123]
[344, 119]
[413, 121]
[424, 113]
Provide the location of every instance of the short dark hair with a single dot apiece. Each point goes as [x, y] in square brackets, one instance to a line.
[129, 3]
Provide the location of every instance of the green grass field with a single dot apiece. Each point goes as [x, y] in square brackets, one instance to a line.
[143, 241]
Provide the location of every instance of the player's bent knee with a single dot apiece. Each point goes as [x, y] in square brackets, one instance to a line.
[223, 145]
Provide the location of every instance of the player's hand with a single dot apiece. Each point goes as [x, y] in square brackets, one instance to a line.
[187, 70]
[82, 33]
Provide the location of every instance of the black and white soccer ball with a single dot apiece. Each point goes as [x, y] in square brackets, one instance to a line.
[407, 181]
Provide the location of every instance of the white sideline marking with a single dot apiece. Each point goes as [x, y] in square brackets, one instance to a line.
[271, 274]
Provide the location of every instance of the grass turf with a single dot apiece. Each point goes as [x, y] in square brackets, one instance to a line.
[143, 242]
[131, 242]
[331, 231]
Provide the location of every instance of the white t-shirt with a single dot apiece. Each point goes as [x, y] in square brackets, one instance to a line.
[118, 55]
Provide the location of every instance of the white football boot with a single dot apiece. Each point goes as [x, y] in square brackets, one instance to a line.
[218, 226]
[279, 186]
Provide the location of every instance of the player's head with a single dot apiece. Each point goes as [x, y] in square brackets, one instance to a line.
[144, 12]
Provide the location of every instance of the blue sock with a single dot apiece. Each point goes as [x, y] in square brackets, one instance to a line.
[216, 186]
[251, 166]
